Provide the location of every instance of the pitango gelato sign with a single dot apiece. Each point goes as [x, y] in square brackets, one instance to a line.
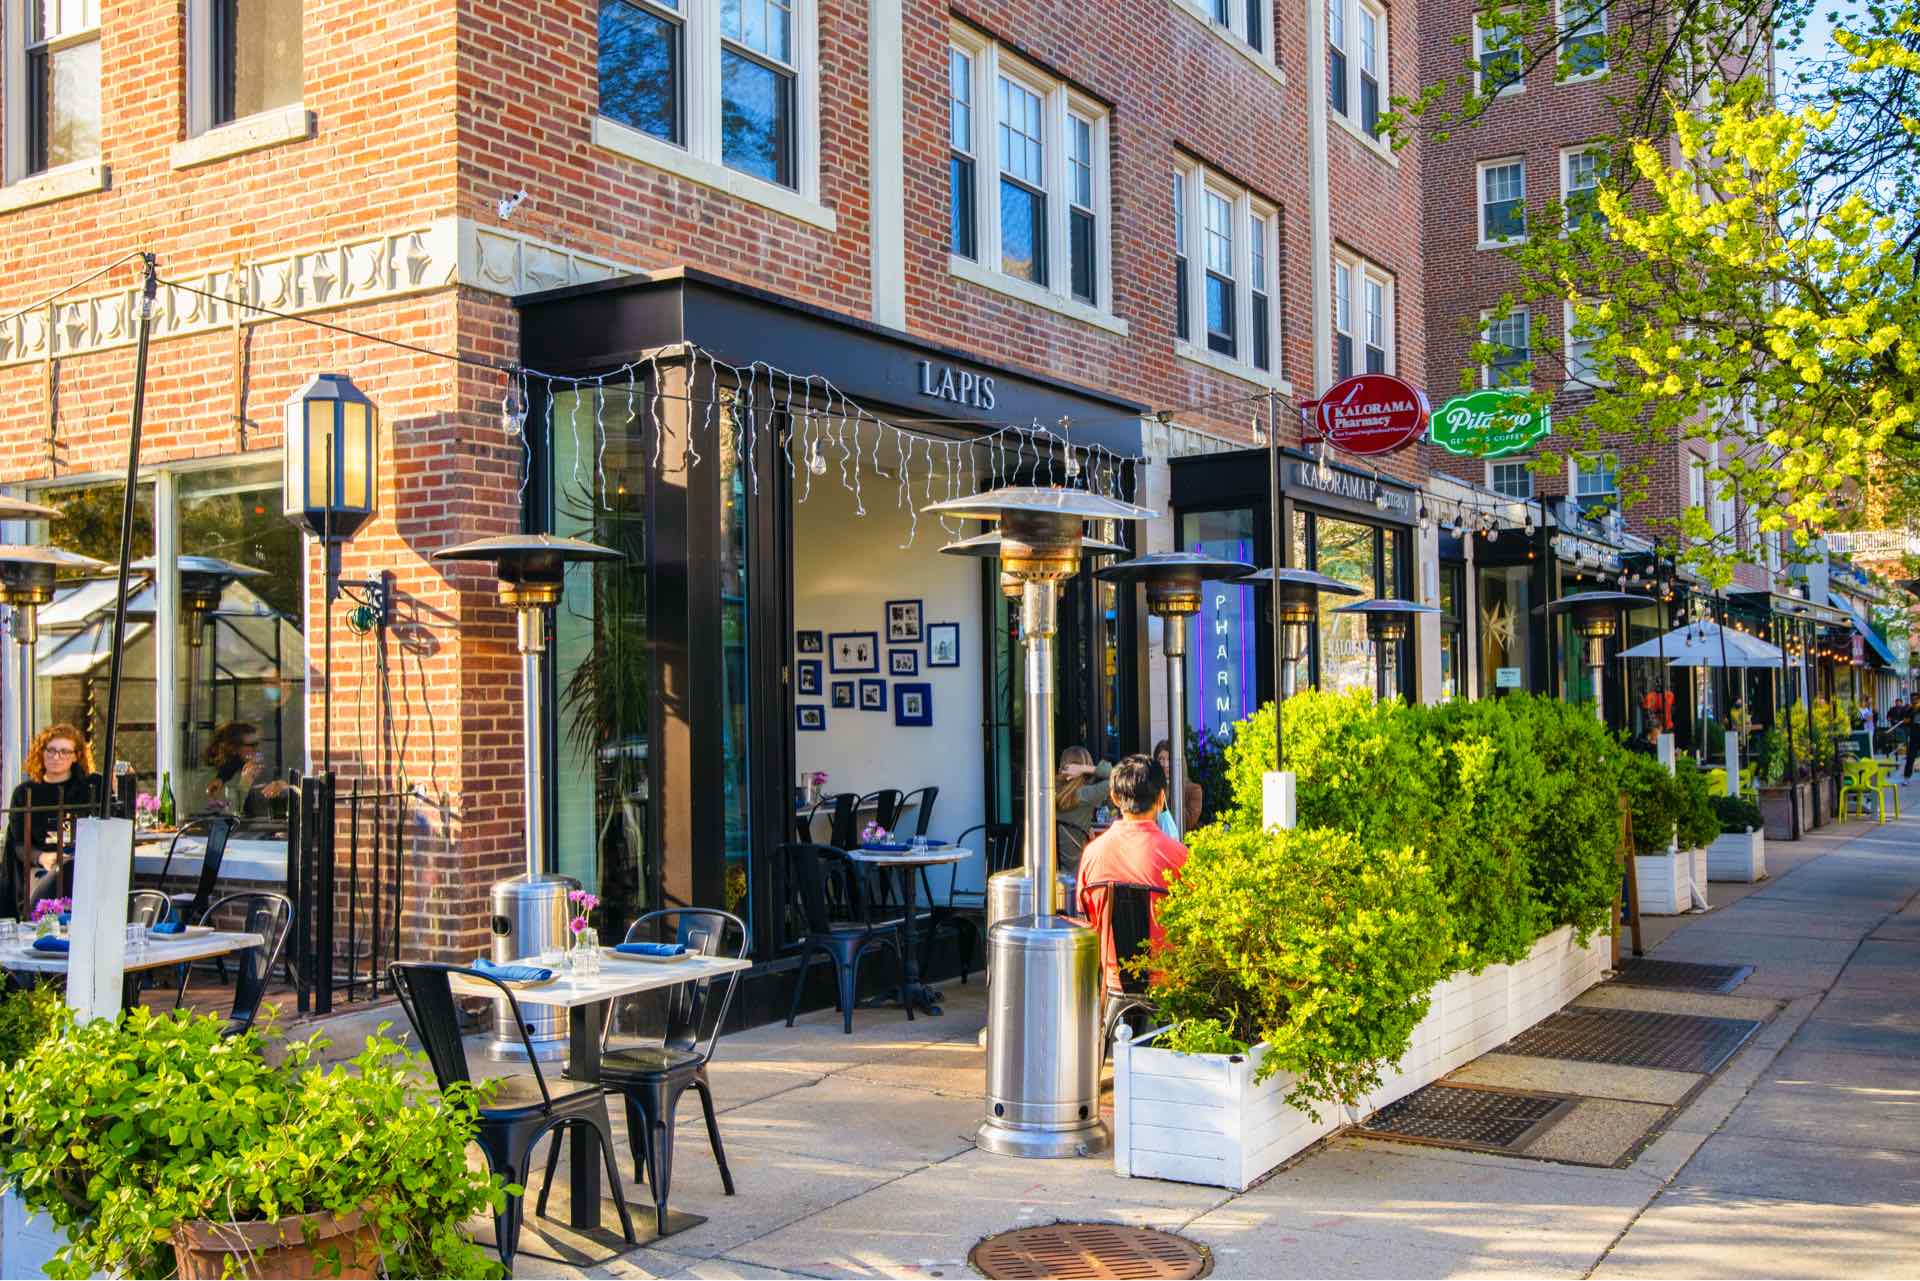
[1488, 424]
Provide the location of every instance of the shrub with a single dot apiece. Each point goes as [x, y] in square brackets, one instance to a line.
[27, 1018]
[123, 1128]
[1654, 795]
[1317, 942]
[1770, 758]
[1574, 865]
[1696, 822]
[1737, 814]
[1355, 766]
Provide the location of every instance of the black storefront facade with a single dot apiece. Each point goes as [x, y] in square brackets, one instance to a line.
[743, 451]
[1352, 525]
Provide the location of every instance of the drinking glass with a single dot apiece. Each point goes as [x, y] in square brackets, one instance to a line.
[136, 939]
[554, 958]
[9, 932]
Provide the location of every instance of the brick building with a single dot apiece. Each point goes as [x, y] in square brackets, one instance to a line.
[735, 237]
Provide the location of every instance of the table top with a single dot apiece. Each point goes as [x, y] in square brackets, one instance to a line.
[927, 856]
[616, 978]
[247, 859]
[161, 952]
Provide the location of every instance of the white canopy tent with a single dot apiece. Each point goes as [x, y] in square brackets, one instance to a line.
[1707, 645]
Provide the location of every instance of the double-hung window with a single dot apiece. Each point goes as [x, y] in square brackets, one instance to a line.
[1229, 271]
[1244, 20]
[1373, 33]
[59, 75]
[243, 59]
[1357, 44]
[1498, 55]
[1503, 201]
[1362, 317]
[1580, 336]
[1697, 482]
[1028, 181]
[1343, 344]
[1375, 294]
[1583, 38]
[1595, 480]
[1511, 337]
[1582, 170]
[1337, 55]
[1511, 479]
[705, 89]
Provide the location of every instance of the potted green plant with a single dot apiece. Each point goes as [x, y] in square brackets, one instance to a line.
[1739, 851]
[27, 1017]
[1661, 876]
[162, 1147]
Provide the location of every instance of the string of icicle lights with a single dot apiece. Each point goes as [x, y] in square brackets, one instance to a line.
[826, 432]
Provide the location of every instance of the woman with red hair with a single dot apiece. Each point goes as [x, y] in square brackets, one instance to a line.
[61, 785]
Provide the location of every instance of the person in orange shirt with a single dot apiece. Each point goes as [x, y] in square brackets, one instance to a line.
[1133, 851]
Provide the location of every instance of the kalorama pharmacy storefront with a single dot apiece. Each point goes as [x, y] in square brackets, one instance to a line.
[780, 608]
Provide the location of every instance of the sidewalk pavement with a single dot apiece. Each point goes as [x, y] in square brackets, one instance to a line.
[854, 1156]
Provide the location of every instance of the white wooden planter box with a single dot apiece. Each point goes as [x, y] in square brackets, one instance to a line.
[1699, 866]
[1198, 1118]
[26, 1243]
[1662, 883]
[1738, 856]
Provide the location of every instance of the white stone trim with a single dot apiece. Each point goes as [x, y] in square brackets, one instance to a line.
[1193, 12]
[635, 145]
[886, 162]
[1378, 146]
[1026, 291]
[80, 178]
[1227, 365]
[291, 123]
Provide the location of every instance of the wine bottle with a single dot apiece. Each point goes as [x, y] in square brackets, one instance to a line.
[166, 800]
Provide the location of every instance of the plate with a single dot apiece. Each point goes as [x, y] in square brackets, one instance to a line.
[617, 955]
[520, 985]
[190, 932]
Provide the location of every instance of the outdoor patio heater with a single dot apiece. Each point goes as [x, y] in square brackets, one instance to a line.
[1297, 599]
[1043, 1016]
[1173, 582]
[529, 911]
[1596, 616]
[1389, 620]
[26, 583]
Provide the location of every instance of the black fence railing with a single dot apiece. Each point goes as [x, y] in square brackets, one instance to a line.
[347, 857]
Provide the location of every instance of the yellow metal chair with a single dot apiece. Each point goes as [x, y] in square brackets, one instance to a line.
[1856, 785]
[1884, 786]
[1750, 783]
[1716, 782]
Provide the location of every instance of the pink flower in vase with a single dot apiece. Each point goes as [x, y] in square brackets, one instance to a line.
[579, 924]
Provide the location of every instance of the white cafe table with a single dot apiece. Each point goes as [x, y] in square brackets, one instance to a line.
[162, 951]
[588, 999]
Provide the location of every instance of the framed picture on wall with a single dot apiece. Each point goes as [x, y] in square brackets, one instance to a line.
[943, 645]
[808, 681]
[853, 652]
[873, 695]
[809, 717]
[903, 662]
[843, 693]
[913, 703]
[903, 621]
[807, 642]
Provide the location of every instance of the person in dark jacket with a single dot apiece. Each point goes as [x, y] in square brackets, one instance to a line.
[60, 786]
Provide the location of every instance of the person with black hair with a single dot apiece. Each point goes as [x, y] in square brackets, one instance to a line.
[1134, 851]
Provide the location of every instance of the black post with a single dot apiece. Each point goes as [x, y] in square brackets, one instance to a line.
[1276, 537]
[149, 286]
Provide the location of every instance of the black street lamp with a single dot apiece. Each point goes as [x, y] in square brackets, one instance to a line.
[332, 452]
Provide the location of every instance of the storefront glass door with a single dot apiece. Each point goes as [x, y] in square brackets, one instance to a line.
[1345, 550]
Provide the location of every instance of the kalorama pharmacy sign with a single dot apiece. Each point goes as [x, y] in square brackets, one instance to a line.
[1489, 424]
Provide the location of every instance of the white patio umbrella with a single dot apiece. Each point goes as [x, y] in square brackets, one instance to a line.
[1707, 645]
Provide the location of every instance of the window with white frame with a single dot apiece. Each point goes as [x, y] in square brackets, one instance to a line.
[1511, 336]
[1581, 172]
[1357, 51]
[1697, 482]
[1503, 201]
[1580, 337]
[54, 61]
[1230, 271]
[1498, 52]
[1343, 336]
[1583, 37]
[1362, 317]
[1040, 218]
[732, 84]
[1244, 20]
[243, 59]
[1511, 478]
[1596, 480]
[1373, 293]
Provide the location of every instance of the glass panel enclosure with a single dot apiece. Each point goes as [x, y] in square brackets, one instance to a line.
[1222, 639]
[1345, 550]
[1506, 605]
[735, 521]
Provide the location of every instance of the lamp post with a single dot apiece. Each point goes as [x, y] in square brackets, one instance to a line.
[1173, 582]
[1043, 1021]
[1388, 622]
[1296, 600]
[1596, 616]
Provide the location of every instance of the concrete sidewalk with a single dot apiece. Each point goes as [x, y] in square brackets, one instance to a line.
[853, 1154]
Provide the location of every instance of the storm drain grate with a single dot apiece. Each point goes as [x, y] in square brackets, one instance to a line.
[1456, 1116]
[1075, 1250]
[1683, 976]
[1635, 1038]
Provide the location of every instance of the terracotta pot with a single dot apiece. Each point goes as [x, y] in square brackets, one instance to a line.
[301, 1245]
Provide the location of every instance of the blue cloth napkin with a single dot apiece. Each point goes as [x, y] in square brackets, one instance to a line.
[513, 973]
[51, 944]
[167, 927]
[889, 847]
[66, 918]
[652, 949]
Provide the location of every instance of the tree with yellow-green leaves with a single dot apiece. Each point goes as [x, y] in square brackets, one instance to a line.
[1746, 272]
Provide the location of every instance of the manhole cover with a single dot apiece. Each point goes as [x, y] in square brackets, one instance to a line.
[1073, 1250]
[1635, 1038]
[1456, 1116]
[1683, 976]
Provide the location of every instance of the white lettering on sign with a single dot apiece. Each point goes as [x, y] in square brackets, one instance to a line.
[965, 388]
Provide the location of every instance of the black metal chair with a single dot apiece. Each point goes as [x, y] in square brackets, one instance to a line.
[271, 917]
[1001, 845]
[218, 830]
[147, 908]
[1071, 841]
[843, 830]
[652, 1078]
[921, 800]
[1130, 924]
[809, 869]
[512, 1126]
[886, 806]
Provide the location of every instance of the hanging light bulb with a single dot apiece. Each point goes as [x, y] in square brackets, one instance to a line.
[816, 461]
[1493, 535]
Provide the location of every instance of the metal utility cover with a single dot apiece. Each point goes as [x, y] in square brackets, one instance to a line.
[1635, 1038]
[1086, 1250]
[1463, 1117]
[1683, 976]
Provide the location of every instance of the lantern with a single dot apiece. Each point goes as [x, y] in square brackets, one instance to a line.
[331, 457]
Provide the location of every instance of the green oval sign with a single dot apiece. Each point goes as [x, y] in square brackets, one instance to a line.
[1483, 425]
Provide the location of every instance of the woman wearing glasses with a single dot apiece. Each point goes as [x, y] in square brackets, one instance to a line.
[235, 788]
[61, 786]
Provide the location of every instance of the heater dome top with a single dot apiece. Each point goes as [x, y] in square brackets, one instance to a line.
[987, 546]
[1176, 567]
[1302, 578]
[1036, 500]
[517, 555]
[34, 554]
[1387, 605]
[202, 565]
[1616, 600]
[24, 509]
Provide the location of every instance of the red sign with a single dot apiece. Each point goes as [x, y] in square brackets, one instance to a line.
[1368, 414]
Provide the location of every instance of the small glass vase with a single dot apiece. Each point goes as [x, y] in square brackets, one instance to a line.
[47, 926]
[584, 958]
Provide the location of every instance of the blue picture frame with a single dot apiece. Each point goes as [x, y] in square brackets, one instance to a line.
[903, 622]
[808, 642]
[903, 662]
[809, 718]
[850, 653]
[913, 703]
[843, 694]
[808, 677]
[943, 645]
[873, 695]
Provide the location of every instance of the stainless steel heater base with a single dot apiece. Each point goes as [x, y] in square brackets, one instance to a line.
[1043, 1041]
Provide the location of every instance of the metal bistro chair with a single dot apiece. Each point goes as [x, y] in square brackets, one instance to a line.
[523, 1112]
[218, 829]
[809, 869]
[652, 1078]
[844, 810]
[271, 917]
[148, 908]
[1001, 845]
[1130, 924]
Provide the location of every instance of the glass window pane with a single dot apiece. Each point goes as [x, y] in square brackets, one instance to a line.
[1023, 232]
[1337, 80]
[1257, 245]
[962, 217]
[756, 118]
[1343, 298]
[1344, 550]
[960, 97]
[266, 55]
[640, 60]
[1219, 223]
[70, 112]
[1080, 160]
[1262, 355]
[1221, 328]
[1021, 137]
[1083, 254]
[1369, 43]
[1179, 214]
[735, 727]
